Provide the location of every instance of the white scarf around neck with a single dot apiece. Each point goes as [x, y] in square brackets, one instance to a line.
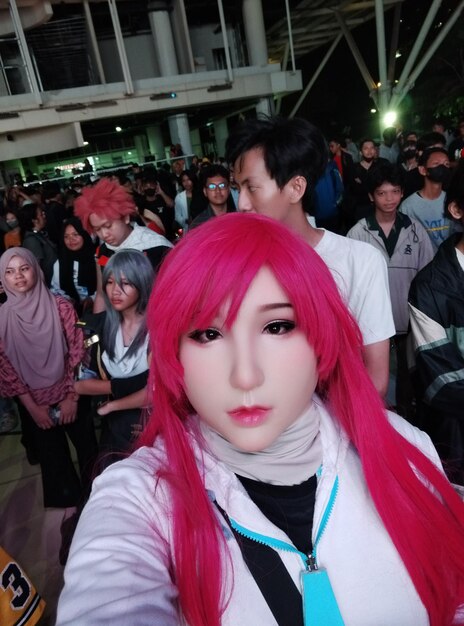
[290, 460]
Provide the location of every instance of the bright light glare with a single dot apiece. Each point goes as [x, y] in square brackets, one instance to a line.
[85, 143]
[389, 118]
[373, 110]
[118, 129]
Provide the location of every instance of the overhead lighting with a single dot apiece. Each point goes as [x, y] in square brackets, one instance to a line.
[85, 143]
[390, 118]
[118, 129]
[398, 54]
[373, 110]
[379, 84]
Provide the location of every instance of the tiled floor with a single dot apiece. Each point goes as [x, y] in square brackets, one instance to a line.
[28, 532]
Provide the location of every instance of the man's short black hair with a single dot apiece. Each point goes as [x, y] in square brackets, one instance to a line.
[366, 140]
[291, 147]
[430, 139]
[213, 170]
[389, 134]
[424, 157]
[385, 173]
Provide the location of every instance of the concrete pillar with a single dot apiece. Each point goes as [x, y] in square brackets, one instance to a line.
[180, 131]
[141, 146]
[155, 142]
[196, 142]
[221, 132]
[158, 15]
[160, 24]
[255, 33]
[265, 107]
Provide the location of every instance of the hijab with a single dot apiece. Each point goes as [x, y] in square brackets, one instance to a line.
[30, 328]
[87, 272]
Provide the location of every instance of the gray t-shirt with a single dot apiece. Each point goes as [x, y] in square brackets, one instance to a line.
[431, 214]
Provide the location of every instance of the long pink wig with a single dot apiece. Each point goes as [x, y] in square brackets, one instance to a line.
[107, 199]
[419, 508]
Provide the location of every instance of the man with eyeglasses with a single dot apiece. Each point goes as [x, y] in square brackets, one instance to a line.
[216, 188]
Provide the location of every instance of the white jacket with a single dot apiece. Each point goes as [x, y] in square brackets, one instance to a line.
[181, 210]
[118, 572]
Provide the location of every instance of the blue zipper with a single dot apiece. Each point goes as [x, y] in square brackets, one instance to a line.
[309, 561]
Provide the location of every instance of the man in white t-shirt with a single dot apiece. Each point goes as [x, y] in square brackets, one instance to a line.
[276, 165]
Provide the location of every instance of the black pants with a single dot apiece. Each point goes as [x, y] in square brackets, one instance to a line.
[62, 486]
[118, 435]
[405, 399]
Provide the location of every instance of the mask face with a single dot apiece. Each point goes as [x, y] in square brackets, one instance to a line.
[12, 223]
[438, 174]
[150, 192]
[409, 154]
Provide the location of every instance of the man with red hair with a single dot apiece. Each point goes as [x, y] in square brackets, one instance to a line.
[106, 209]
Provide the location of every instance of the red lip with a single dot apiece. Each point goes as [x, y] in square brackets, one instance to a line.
[250, 415]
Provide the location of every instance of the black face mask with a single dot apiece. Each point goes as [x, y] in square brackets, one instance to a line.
[409, 154]
[150, 192]
[368, 159]
[438, 174]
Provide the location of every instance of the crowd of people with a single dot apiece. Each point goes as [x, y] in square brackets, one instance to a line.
[246, 363]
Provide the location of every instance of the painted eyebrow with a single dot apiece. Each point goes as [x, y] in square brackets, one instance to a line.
[275, 305]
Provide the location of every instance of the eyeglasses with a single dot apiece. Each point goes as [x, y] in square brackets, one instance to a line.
[214, 186]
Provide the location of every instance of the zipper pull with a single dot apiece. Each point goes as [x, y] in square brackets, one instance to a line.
[311, 563]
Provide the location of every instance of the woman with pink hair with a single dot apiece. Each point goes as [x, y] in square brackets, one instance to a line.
[270, 486]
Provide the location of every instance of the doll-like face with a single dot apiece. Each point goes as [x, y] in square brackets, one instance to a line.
[251, 382]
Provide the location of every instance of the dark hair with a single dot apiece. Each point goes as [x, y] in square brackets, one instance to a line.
[424, 157]
[26, 216]
[384, 173]
[87, 275]
[389, 134]
[430, 139]
[291, 147]
[213, 170]
[365, 140]
[50, 190]
[191, 176]
[455, 190]
[336, 138]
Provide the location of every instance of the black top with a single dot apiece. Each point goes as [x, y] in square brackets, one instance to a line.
[401, 221]
[290, 508]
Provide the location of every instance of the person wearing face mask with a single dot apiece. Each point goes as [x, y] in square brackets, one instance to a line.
[269, 487]
[13, 237]
[158, 197]
[428, 204]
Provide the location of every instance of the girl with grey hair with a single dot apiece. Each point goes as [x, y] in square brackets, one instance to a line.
[120, 351]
